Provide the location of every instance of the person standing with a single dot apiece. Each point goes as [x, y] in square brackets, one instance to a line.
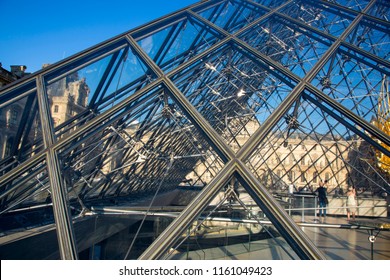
[322, 199]
[291, 188]
[351, 203]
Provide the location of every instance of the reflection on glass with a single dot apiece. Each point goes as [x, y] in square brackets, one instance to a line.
[20, 136]
[177, 43]
[351, 80]
[233, 92]
[82, 94]
[289, 44]
[326, 18]
[232, 227]
[231, 16]
[150, 158]
[26, 217]
[68, 97]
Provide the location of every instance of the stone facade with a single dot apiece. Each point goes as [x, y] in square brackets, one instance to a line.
[302, 162]
[67, 97]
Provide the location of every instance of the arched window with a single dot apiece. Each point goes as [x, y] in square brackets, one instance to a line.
[56, 108]
[14, 116]
[291, 176]
[315, 176]
[292, 161]
[303, 178]
[303, 160]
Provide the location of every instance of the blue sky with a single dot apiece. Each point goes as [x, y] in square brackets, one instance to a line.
[36, 32]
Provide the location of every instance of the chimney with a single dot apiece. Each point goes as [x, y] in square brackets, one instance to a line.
[18, 70]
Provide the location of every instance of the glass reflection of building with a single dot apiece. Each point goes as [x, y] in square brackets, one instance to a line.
[68, 97]
[301, 161]
[9, 119]
[219, 97]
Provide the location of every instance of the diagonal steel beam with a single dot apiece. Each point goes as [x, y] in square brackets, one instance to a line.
[75, 57]
[345, 113]
[374, 131]
[291, 232]
[175, 230]
[248, 148]
[105, 116]
[263, 131]
[214, 139]
[298, 241]
[145, 58]
[61, 210]
[334, 38]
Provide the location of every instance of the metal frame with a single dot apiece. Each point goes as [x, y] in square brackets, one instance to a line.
[154, 96]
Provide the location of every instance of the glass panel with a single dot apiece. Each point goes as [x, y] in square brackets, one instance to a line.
[372, 37]
[178, 42]
[354, 81]
[233, 91]
[147, 158]
[95, 86]
[357, 5]
[270, 3]
[31, 188]
[231, 227]
[381, 9]
[314, 143]
[26, 217]
[289, 44]
[310, 145]
[327, 18]
[337, 243]
[21, 134]
[231, 15]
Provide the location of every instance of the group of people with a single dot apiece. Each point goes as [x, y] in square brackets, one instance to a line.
[323, 201]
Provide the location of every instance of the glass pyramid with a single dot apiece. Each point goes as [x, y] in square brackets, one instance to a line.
[120, 151]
